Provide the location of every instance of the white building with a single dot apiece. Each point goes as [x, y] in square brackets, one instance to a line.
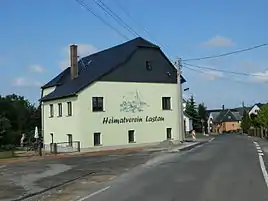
[254, 110]
[188, 121]
[123, 95]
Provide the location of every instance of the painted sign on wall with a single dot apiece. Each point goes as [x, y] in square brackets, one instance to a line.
[138, 119]
[133, 103]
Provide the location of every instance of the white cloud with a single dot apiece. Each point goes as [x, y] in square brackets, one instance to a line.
[212, 75]
[24, 82]
[218, 41]
[83, 50]
[37, 68]
[260, 77]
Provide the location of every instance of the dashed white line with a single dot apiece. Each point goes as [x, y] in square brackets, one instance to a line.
[2, 166]
[95, 193]
[263, 169]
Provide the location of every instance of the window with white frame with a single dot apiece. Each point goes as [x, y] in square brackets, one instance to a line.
[69, 108]
[97, 104]
[51, 110]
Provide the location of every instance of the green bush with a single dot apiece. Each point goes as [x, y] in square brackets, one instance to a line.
[8, 147]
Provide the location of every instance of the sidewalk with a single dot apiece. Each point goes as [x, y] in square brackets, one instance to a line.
[27, 177]
[32, 157]
[25, 157]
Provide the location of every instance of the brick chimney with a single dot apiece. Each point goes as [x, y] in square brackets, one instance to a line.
[74, 63]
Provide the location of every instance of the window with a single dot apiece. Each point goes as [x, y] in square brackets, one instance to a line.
[166, 103]
[59, 109]
[70, 140]
[149, 65]
[97, 139]
[131, 136]
[69, 108]
[52, 139]
[168, 133]
[97, 104]
[51, 110]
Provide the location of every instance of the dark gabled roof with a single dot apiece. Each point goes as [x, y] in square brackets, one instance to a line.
[257, 104]
[226, 116]
[93, 67]
[59, 79]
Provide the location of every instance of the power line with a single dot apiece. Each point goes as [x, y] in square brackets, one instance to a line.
[119, 20]
[83, 5]
[124, 9]
[227, 54]
[224, 71]
[218, 77]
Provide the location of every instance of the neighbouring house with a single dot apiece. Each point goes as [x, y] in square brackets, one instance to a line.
[188, 123]
[128, 94]
[255, 108]
[224, 120]
[187, 120]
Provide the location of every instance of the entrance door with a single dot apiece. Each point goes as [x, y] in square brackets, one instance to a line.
[97, 140]
[169, 133]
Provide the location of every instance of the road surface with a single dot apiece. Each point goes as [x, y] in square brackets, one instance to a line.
[226, 169]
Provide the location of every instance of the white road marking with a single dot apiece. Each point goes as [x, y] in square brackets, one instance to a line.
[260, 151]
[2, 166]
[95, 193]
[258, 148]
[263, 169]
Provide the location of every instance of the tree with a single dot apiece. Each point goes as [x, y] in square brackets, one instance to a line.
[202, 115]
[246, 122]
[20, 116]
[192, 112]
[5, 127]
[262, 117]
[254, 120]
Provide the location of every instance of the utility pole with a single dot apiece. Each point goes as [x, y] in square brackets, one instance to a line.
[180, 100]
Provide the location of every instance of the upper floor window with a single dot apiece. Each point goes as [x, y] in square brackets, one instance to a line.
[59, 109]
[166, 103]
[51, 110]
[97, 104]
[69, 108]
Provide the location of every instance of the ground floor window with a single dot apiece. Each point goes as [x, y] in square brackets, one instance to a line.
[169, 133]
[97, 139]
[70, 140]
[131, 136]
[52, 138]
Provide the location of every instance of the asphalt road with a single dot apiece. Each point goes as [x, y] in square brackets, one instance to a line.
[227, 168]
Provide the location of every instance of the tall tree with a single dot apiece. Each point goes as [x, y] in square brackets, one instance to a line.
[202, 114]
[262, 117]
[192, 112]
[246, 122]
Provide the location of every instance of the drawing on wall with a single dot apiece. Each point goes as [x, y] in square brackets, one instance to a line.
[133, 103]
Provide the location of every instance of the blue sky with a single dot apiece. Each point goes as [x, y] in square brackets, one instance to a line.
[35, 36]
